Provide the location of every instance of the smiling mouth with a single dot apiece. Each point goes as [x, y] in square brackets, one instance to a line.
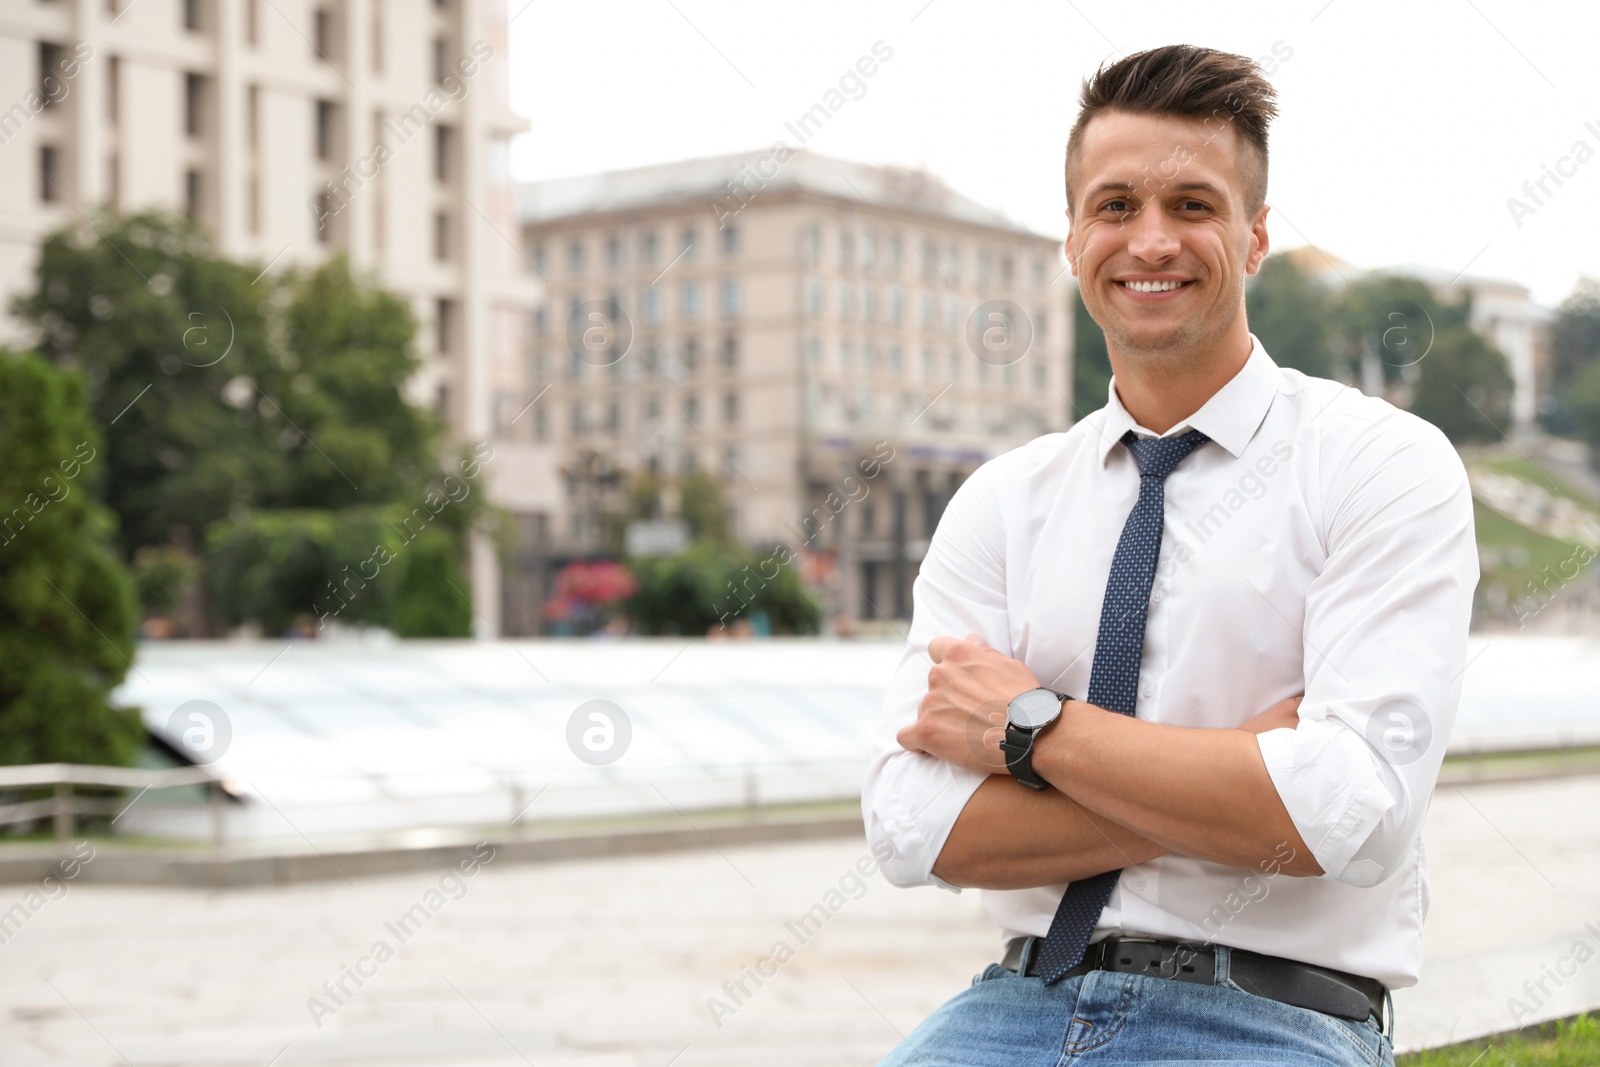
[1155, 287]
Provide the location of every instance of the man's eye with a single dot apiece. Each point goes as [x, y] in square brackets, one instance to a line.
[1115, 205]
[1196, 204]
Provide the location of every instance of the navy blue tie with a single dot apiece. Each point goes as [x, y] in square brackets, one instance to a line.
[1114, 678]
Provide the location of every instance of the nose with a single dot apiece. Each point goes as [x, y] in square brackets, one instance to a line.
[1152, 235]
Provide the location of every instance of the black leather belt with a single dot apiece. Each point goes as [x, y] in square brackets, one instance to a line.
[1349, 996]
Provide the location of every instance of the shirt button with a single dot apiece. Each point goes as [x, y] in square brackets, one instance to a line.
[1156, 596]
[1148, 691]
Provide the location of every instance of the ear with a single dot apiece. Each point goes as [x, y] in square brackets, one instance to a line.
[1260, 245]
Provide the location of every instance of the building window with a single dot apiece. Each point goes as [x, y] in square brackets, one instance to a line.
[540, 424]
[651, 308]
[441, 52]
[252, 22]
[322, 33]
[325, 132]
[443, 148]
[1005, 271]
[539, 258]
[192, 193]
[869, 250]
[844, 355]
[50, 86]
[652, 248]
[49, 172]
[377, 36]
[194, 89]
[952, 313]
[191, 16]
[894, 257]
[575, 257]
[691, 354]
[325, 210]
[813, 297]
[730, 241]
[869, 304]
[691, 300]
[444, 326]
[613, 252]
[981, 267]
[691, 408]
[811, 244]
[253, 197]
[114, 91]
[814, 351]
[730, 351]
[844, 300]
[846, 250]
[952, 263]
[579, 422]
[688, 243]
[252, 117]
[927, 311]
[897, 307]
[730, 407]
[930, 253]
[441, 236]
[614, 415]
[730, 297]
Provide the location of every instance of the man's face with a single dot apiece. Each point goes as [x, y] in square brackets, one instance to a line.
[1160, 199]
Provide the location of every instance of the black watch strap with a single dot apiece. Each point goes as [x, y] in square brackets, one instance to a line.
[1018, 748]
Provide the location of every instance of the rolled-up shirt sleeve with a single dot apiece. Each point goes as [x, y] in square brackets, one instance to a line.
[1385, 634]
[910, 800]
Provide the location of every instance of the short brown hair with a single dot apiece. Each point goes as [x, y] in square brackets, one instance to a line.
[1189, 82]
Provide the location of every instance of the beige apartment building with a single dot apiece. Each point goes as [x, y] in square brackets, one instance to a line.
[841, 344]
[291, 129]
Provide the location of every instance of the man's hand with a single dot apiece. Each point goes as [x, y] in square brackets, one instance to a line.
[962, 720]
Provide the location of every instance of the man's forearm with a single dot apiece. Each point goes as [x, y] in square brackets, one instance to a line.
[1009, 837]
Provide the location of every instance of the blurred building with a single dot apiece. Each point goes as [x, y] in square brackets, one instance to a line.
[788, 322]
[1504, 313]
[291, 129]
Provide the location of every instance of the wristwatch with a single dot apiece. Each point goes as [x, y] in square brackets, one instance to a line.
[1027, 716]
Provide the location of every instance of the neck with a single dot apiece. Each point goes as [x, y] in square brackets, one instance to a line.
[1160, 388]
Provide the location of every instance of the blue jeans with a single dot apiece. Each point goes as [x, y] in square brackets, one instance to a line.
[1104, 1017]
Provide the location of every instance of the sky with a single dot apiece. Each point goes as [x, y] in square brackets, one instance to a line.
[1405, 128]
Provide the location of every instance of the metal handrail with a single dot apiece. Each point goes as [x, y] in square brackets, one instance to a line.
[65, 806]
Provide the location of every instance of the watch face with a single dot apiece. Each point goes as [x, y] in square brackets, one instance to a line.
[1033, 709]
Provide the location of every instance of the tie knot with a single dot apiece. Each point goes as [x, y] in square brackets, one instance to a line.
[1157, 456]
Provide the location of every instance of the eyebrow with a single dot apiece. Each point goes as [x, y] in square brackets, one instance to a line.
[1180, 187]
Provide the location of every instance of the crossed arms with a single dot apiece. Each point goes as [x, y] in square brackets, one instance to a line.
[1384, 625]
[1202, 793]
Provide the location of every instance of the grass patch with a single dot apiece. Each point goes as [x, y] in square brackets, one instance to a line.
[1531, 472]
[1514, 555]
[1570, 1043]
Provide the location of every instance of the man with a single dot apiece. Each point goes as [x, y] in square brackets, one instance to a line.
[1253, 589]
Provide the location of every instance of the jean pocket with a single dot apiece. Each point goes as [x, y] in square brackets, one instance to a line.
[989, 973]
[1364, 1038]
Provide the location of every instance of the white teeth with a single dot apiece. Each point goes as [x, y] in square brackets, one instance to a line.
[1152, 287]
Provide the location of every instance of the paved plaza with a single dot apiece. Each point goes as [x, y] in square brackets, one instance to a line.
[614, 963]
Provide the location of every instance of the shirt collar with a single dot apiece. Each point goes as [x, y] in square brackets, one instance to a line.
[1230, 418]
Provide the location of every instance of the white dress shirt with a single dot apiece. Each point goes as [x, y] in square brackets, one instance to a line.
[1321, 543]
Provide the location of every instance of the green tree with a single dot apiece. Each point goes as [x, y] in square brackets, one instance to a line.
[228, 398]
[1091, 364]
[1393, 321]
[66, 605]
[161, 327]
[1464, 387]
[1574, 352]
[1289, 312]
